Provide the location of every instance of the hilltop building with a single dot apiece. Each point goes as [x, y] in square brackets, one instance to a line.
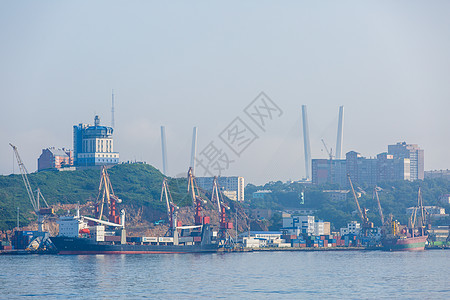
[411, 152]
[261, 194]
[93, 145]
[401, 162]
[444, 174]
[52, 158]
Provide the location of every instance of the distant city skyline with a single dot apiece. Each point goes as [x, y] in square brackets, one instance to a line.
[183, 65]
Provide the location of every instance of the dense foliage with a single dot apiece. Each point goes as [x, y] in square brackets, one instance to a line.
[135, 184]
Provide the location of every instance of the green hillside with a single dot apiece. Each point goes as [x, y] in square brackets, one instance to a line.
[136, 184]
[395, 197]
[139, 185]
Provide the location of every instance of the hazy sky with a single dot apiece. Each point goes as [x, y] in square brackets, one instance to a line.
[200, 63]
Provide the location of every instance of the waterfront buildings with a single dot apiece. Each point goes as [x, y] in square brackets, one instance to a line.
[352, 228]
[93, 145]
[232, 186]
[52, 158]
[307, 225]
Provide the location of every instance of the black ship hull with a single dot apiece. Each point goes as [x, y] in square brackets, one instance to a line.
[66, 245]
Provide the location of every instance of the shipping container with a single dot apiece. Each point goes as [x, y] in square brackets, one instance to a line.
[112, 238]
[165, 239]
[131, 239]
[186, 239]
[206, 220]
[149, 239]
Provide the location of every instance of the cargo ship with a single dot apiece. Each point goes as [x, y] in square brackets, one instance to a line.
[406, 238]
[92, 240]
[88, 235]
[416, 243]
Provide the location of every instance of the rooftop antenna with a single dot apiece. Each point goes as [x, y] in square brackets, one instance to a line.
[164, 149]
[306, 142]
[112, 110]
[340, 133]
[194, 149]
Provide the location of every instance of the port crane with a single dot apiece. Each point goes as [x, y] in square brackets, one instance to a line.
[366, 224]
[106, 199]
[35, 201]
[375, 195]
[224, 225]
[330, 155]
[171, 207]
[197, 200]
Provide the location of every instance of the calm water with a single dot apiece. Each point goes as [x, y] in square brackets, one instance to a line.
[274, 275]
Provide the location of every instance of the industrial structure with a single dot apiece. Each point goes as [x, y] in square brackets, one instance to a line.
[223, 236]
[93, 146]
[340, 133]
[194, 149]
[32, 240]
[164, 150]
[307, 145]
[172, 209]
[99, 236]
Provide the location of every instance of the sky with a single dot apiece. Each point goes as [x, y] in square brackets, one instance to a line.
[205, 63]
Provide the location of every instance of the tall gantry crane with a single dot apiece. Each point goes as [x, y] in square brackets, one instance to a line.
[106, 199]
[197, 200]
[171, 207]
[366, 225]
[375, 195]
[224, 225]
[35, 201]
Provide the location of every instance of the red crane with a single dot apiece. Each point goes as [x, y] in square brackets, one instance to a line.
[106, 197]
[222, 208]
[197, 200]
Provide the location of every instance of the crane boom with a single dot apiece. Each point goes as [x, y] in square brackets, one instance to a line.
[375, 192]
[356, 198]
[329, 152]
[171, 207]
[24, 173]
[197, 200]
